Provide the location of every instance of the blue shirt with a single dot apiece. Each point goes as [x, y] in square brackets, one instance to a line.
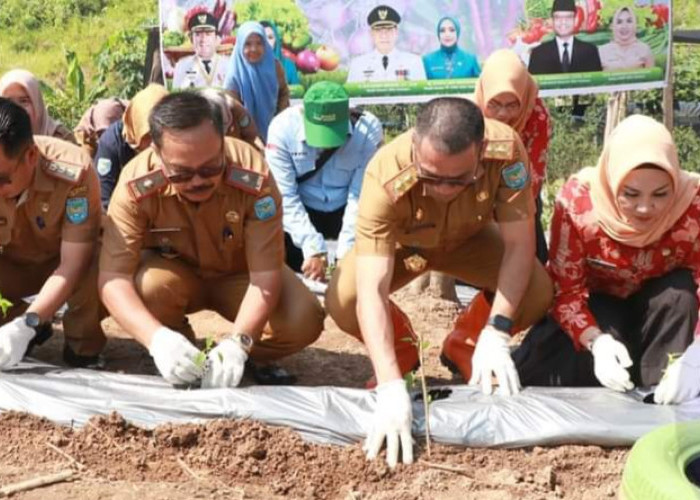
[113, 153]
[337, 184]
[439, 65]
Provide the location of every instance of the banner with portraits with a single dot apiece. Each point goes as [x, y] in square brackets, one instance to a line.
[395, 51]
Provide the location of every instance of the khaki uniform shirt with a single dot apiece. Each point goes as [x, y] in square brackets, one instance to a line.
[239, 229]
[62, 203]
[393, 209]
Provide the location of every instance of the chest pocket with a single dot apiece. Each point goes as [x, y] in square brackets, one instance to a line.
[169, 242]
[420, 234]
[304, 162]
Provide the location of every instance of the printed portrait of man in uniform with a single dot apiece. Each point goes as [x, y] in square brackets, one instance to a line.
[385, 62]
[206, 68]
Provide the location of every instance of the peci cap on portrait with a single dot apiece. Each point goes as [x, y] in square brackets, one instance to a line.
[326, 115]
[203, 21]
[564, 6]
[383, 15]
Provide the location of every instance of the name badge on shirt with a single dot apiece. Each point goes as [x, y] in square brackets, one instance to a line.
[601, 263]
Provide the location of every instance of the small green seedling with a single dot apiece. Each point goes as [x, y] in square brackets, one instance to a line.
[4, 305]
[201, 357]
[411, 379]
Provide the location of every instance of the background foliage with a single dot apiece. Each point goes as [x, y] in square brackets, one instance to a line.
[84, 49]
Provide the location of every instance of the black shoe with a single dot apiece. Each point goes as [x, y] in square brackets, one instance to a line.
[270, 374]
[95, 362]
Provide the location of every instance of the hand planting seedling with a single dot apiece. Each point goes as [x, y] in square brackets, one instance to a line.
[201, 358]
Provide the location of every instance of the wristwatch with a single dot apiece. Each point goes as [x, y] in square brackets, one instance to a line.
[501, 323]
[244, 340]
[32, 320]
[43, 331]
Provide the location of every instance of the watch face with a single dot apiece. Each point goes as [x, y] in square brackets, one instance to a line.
[245, 341]
[32, 319]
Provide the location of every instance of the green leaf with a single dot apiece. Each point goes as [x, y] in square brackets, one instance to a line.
[4, 305]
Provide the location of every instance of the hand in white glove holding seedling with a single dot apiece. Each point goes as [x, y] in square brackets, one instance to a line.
[392, 420]
[175, 357]
[492, 355]
[225, 365]
[681, 382]
[610, 362]
[14, 339]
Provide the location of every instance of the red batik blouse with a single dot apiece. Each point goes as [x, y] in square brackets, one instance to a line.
[535, 136]
[583, 258]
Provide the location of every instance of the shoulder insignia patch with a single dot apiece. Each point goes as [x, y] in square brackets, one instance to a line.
[104, 165]
[499, 150]
[515, 176]
[401, 183]
[77, 210]
[244, 121]
[247, 180]
[265, 208]
[64, 171]
[147, 185]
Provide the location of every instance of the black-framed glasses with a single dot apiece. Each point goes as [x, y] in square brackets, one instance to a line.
[181, 175]
[6, 179]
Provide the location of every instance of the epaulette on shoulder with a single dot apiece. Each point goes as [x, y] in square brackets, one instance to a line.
[500, 149]
[247, 180]
[401, 183]
[148, 184]
[64, 171]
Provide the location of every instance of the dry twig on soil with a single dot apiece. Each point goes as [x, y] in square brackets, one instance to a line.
[446, 468]
[58, 450]
[109, 438]
[37, 482]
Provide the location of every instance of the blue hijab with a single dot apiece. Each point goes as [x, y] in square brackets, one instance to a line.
[450, 62]
[255, 83]
[290, 69]
[458, 28]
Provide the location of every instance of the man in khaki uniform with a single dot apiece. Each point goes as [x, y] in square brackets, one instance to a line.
[195, 223]
[428, 202]
[49, 223]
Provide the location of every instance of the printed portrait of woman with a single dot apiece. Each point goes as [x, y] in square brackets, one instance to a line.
[449, 61]
[625, 50]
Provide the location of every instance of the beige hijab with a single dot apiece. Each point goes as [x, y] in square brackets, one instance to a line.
[44, 125]
[616, 38]
[636, 141]
[136, 114]
[503, 71]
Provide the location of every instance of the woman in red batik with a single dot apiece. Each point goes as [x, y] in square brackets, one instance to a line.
[505, 92]
[625, 260]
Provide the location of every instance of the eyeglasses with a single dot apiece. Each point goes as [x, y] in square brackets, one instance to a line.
[181, 175]
[495, 106]
[6, 179]
[463, 180]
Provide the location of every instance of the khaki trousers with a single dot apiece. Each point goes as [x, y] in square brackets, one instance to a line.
[170, 289]
[476, 262]
[81, 322]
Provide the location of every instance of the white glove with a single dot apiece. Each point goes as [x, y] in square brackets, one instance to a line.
[392, 420]
[175, 357]
[14, 339]
[492, 355]
[610, 363]
[681, 381]
[225, 365]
